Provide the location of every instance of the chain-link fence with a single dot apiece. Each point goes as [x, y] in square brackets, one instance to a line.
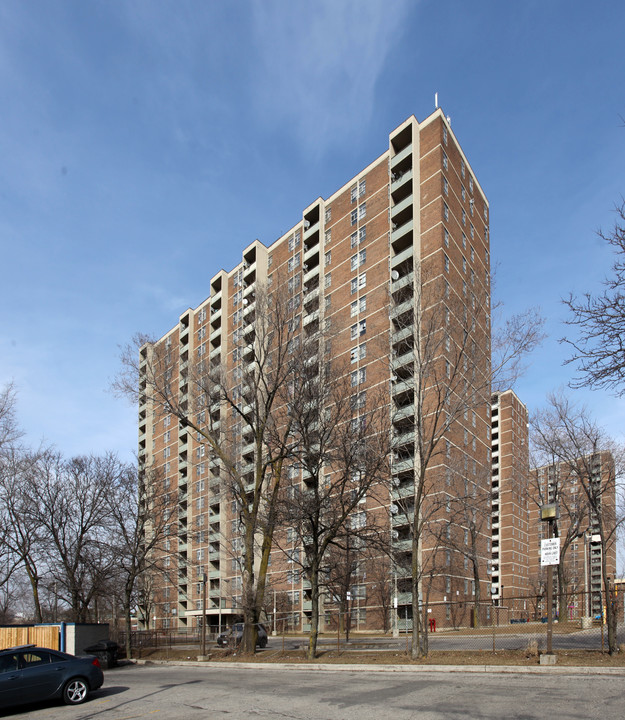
[514, 623]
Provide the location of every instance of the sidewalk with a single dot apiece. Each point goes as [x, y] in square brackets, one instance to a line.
[361, 667]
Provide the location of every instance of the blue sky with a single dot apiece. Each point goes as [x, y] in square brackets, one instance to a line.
[145, 143]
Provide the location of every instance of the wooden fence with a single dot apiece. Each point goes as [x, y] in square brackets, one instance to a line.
[42, 635]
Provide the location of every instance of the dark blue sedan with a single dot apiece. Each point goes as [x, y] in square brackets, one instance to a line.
[30, 674]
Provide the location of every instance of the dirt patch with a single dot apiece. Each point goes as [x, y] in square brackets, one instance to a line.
[579, 658]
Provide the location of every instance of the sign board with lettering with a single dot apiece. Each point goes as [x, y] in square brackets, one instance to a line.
[550, 552]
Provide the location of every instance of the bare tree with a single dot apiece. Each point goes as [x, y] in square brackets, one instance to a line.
[594, 462]
[341, 444]
[444, 374]
[24, 537]
[599, 320]
[551, 482]
[240, 411]
[72, 509]
[468, 510]
[9, 429]
[138, 521]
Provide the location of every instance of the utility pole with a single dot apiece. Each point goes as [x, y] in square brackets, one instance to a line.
[203, 580]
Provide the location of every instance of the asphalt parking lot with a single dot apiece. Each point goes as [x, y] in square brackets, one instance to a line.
[175, 692]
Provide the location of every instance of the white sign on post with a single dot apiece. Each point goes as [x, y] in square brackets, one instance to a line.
[550, 552]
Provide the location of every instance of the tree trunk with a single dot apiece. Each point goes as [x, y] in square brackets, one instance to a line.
[314, 620]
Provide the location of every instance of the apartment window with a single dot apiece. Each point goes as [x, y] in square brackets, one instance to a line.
[446, 289]
[294, 262]
[358, 520]
[328, 257]
[360, 328]
[446, 237]
[445, 161]
[358, 283]
[446, 262]
[464, 264]
[464, 218]
[472, 254]
[358, 236]
[447, 368]
[328, 301]
[359, 400]
[462, 167]
[445, 211]
[354, 216]
[445, 186]
[328, 214]
[201, 333]
[444, 134]
[294, 282]
[464, 194]
[354, 193]
[167, 421]
[447, 584]
[328, 280]
[166, 452]
[293, 242]
[358, 353]
[464, 288]
[470, 183]
[358, 259]
[358, 306]
[358, 377]
[472, 233]
[327, 237]
[447, 448]
[362, 187]
[485, 212]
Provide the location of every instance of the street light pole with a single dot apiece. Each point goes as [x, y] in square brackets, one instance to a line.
[549, 596]
[203, 579]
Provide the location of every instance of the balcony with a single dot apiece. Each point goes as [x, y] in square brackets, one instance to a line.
[400, 335]
[402, 308]
[401, 180]
[312, 317]
[311, 229]
[398, 233]
[403, 386]
[401, 413]
[401, 257]
[403, 439]
[311, 274]
[401, 206]
[403, 464]
[403, 492]
[215, 334]
[402, 155]
[406, 359]
[403, 282]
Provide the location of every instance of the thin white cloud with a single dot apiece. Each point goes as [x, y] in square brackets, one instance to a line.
[319, 63]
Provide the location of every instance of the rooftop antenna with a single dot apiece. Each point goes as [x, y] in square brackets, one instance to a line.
[435, 101]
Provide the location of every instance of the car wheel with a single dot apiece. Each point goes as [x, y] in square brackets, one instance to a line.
[75, 691]
[263, 643]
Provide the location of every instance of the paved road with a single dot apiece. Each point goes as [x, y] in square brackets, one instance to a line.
[190, 693]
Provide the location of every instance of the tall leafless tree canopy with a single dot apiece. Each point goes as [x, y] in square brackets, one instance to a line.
[567, 434]
[598, 348]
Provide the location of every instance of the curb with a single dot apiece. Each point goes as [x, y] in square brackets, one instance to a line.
[320, 667]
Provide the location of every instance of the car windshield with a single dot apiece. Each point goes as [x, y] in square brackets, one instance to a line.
[238, 627]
